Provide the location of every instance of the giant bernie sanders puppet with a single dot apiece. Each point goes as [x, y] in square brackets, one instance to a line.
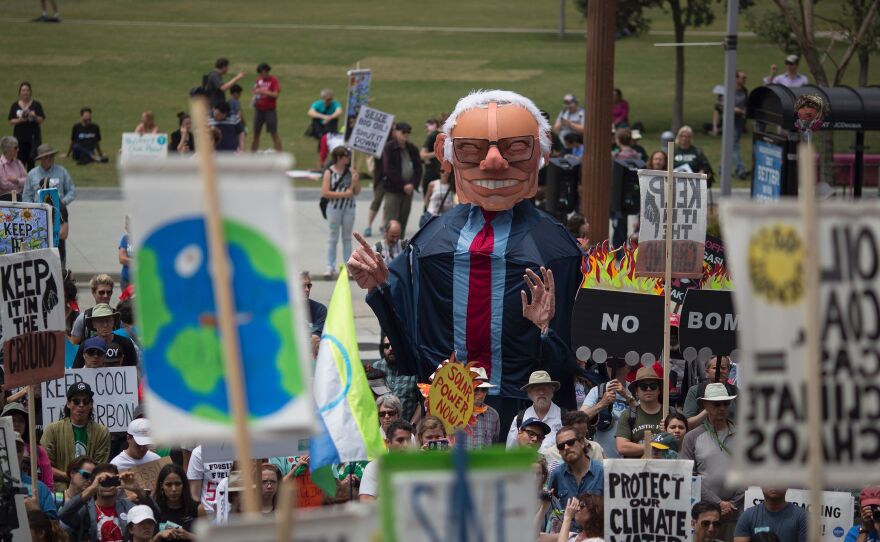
[494, 279]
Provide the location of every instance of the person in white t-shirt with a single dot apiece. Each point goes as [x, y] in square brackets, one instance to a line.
[204, 477]
[540, 390]
[138, 450]
[399, 437]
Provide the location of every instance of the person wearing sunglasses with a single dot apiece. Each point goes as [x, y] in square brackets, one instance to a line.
[389, 408]
[578, 475]
[76, 434]
[647, 416]
[705, 520]
[403, 386]
[102, 290]
[709, 445]
[79, 471]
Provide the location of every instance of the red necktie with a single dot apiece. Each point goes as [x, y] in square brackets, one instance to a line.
[479, 307]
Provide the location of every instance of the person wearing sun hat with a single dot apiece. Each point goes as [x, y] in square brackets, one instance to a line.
[540, 389]
[48, 174]
[487, 428]
[709, 445]
[647, 416]
[119, 351]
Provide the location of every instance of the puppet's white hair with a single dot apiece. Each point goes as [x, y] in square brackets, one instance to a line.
[481, 98]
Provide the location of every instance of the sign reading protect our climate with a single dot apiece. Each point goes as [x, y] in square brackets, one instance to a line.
[766, 255]
[186, 392]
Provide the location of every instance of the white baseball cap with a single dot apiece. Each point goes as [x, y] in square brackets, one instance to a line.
[139, 430]
[140, 513]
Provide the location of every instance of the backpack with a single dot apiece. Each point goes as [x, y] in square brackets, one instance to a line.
[202, 89]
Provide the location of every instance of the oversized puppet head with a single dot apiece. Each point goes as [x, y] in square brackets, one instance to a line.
[496, 141]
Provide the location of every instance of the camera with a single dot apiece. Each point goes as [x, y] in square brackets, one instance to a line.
[605, 419]
[110, 481]
[441, 444]
[875, 513]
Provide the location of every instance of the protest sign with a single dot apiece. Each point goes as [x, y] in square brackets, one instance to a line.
[648, 500]
[371, 130]
[15, 518]
[115, 398]
[353, 522]
[452, 395]
[50, 197]
[145, 475]
[418, 496]
[260, 447]
[358, 95]
[144, 145]
[708, 325]
[25, 226]
[32, 317]
[689, 204]
[767, 179]
[186, 393]
[837, 509]
[617, 324]
[765, 248]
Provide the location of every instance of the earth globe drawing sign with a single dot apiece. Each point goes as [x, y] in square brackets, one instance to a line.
[186, 387]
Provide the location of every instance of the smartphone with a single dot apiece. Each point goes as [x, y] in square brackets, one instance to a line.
[441, 444]
[168, 525]
[110, 481]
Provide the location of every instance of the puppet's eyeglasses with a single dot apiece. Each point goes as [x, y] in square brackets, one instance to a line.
[513, 149]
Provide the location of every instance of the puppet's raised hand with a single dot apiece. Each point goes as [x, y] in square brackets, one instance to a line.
[543, 305]
[367, 268]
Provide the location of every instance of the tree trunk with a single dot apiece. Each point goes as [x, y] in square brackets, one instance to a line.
[678, 100]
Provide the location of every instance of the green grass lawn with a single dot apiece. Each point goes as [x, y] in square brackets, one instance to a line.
[122, 69]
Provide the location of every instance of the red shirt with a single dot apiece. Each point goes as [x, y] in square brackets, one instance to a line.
[263, 102]
[108, 528]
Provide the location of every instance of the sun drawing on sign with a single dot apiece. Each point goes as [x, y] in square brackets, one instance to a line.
[776, 264]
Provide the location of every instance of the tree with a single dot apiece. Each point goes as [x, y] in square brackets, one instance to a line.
[631, 18]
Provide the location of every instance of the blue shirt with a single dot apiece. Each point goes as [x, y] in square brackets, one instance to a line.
[853, 534]
[789, 524]
[566, 485]
[323, 108]
[58, 178]
[46, 498]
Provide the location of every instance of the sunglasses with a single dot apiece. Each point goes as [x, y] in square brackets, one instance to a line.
[95, 352]
[563, 445]
[407, 132]
[81, 402]
[708, 523]
[386, 346]
[513, 149]
[387, 413]
[85, 474]
[649, 386]
[307, 286]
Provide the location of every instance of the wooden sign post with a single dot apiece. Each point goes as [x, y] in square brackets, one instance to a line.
[667, 280]
[225, 302]
[807, 175]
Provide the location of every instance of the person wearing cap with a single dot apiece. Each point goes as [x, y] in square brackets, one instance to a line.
[76, 434]
[540, 390]
[141, 525]
[404, 387]
[19, 415]
[266, 91]
[402, 170]
[99, 513]
[119, 351]
[647, 416]
[786, 520]
[868, 527]
[607, 402]
[48, 174]
[664, 446]
[717, 370]
[399, 436]
[45, 500]
[791, 78]
[571, 118]
[531, 433]
[94, 352]
[709, 445]
[102, 286]
[138, 450]
[487, 428]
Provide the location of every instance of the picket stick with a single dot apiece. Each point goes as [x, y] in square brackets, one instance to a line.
[807, 175]
[286, 504]
[667, 280]
[225, 303]
[32, 441]
[14, 196]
